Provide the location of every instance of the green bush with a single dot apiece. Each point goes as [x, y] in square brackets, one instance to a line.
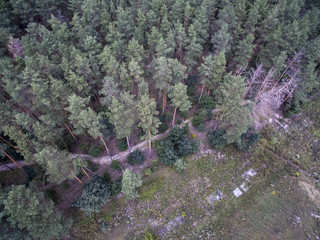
[95, 150]
[207, 102]
[201, 127]
[84, 147]
[136, 157]
[167, 155]
[176, 145]
[95, 194]
[122, 144]
[106, 177]
[147, 172]
[199, 117]
[116, 186]
[131, 181]
[215, 138]
[51, 194]
[248, 139]
[180, 165]
[92, 166]
[65, 186]
[115, 164]
[187, 147]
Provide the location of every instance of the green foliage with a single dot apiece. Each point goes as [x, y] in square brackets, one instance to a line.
[207, 102]
[216, 139]
[176, 145]
[248, 139]
[122, 144]
[106, 177]
[116, 187]
[95, 194]
[65, 186]
[180, 165]
[150, 236]
[95, 150]
[115, 164]
[51, 194]
[130, 182]
[199, 117]
[27, 208]
[147, 172]
[136, 157]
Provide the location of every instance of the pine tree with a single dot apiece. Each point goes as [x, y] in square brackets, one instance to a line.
[244, 52]
[179, 99]
[153, 38]
[59, 165]
[201, 24]
[122, 115]
[130, 182]
[165, 26]
[193, 50]
[27, 208]
[163, 77]
[181, 39]
[109, 89]
[221, 38]
[235, 115]
[147, 118]
[141, 27]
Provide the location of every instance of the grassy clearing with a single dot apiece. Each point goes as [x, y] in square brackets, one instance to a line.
[176, 206]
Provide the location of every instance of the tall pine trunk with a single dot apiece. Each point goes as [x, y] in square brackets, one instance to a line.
[201, 92]
[150, 144]
[105, 145]
[174, 115]
[128, 144]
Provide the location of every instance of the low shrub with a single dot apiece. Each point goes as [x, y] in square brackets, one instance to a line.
[51, 194]
[201, 127]
[147, 172]
[180, 165]
[216, 139]
[248, 139]
[176, 145]
[207, 102]
[116, 186]
[122, 144]
[136, 157]
[106, 177]
[95, 150]
[187, 147]
[84, 147]
[93, 167]
[95, 194]
[115, 164]
[65, 186]
[199, 117]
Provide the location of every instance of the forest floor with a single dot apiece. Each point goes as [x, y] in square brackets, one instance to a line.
[280, 202]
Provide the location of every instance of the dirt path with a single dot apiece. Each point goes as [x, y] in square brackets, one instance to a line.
[106, 160]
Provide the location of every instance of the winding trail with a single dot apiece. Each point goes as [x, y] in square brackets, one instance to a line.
[105, 160]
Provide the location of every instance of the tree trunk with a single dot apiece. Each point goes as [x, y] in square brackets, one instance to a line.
[201, 92]
[19, 166]
[9, 143]
[128, 144]
[164, 101]
[105, 145]
[209, 91]
[85, 172]
[150, 144]
[71, 132]
[174, 115]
